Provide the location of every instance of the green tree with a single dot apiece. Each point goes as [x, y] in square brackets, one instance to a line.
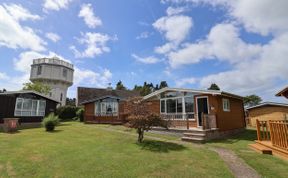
[38, 87]
[163, 84]
[214, 86]
[252, 100]
[120, 86]
[140, 117]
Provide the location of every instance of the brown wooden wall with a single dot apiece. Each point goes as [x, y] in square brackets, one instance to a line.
[266, 113]
[228, 120]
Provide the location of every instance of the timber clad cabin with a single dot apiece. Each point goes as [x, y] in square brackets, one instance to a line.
[267, 111]
[103, 105]
[28, 106]
[213, 113]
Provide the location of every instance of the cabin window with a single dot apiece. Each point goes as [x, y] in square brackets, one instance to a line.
[39, 70]
[106, 107]
[61, 97]
[29, 107]
[226, 105]
[162, 103]
[171, 105]
[189, 104]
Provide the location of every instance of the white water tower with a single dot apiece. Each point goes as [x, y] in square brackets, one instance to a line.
[55, 73]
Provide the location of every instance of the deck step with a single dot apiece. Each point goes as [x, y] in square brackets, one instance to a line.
[193, 139]
[194, 134]
[260, 148]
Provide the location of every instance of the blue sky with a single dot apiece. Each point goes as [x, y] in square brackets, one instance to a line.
[188, 43]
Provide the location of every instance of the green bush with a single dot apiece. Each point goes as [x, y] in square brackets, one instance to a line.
[80, 114]
[50, 122]
[66, 113]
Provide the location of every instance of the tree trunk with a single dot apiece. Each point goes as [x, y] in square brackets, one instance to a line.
[140, 134]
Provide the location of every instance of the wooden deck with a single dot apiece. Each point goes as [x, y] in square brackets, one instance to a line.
[272, 138]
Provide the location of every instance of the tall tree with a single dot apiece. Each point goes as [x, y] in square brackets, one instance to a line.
[71, 101]
[163, 84]
[252, 100]
[38, 87]
[214, 86]
[120, 86]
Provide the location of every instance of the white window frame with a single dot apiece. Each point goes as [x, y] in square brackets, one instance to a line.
[103, 106]
[29, 112]
[226, 104]
[183, 106]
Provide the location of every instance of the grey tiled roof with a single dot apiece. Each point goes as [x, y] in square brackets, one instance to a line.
[85, 95]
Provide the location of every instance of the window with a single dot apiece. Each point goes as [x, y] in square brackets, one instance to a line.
[162, 105]
[64, 72]
[189, 104]
[39, 70]
[226, 105]
[171, 105]
[106, 107]
[179, 105]
[61, 97]
[29, 107]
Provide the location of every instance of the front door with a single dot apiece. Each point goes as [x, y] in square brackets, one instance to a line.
[202, 108]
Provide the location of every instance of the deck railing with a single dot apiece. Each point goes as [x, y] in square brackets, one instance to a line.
[274, 131]
[174, 116]
[279, 134]
[263, 131]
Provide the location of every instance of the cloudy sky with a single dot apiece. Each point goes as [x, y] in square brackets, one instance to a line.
[241, 45]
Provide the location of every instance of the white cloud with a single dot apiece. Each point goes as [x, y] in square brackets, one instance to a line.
[144, 35]
[53, 37]
[185, 81]
[260, 16]
[20, 13]
[56, 4]
[12, 34]
[175, 28]
[222, 43]
[256, 75]
[96, 79]
[175, 10]
[146, 60]
[87, 14]
[96, 44]
[164, 49]
[3, 76]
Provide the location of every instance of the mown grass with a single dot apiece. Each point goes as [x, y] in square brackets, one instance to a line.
[265, 165]
[78, 150]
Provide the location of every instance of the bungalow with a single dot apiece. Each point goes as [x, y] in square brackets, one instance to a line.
[28, 106]
[103, 105]
[267, 111]
[201, 114]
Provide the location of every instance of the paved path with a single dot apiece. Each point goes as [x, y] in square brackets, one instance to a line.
[237, 166]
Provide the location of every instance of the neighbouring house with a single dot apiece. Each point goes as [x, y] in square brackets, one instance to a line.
[272, 132]
[103, 105]
[29, 106]
[283, 92]
[267, 111]
[201, 114]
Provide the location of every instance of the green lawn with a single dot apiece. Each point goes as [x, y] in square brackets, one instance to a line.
[78, 150]
[266, 165]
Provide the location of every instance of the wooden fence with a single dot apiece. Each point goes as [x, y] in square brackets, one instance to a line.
[274, 131]
[279, 134]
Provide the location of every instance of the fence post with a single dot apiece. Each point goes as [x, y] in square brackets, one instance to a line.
[186, 115]
[258, 130]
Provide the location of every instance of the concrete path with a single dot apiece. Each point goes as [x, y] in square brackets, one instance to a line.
[237, 165]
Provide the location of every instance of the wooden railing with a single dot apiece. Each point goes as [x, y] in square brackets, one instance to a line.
[174, 116]
[279, 134]
[209, 121]
[263, 132]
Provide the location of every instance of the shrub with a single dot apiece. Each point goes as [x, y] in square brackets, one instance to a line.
[50, 122]
[80, 114]
[66, 113]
